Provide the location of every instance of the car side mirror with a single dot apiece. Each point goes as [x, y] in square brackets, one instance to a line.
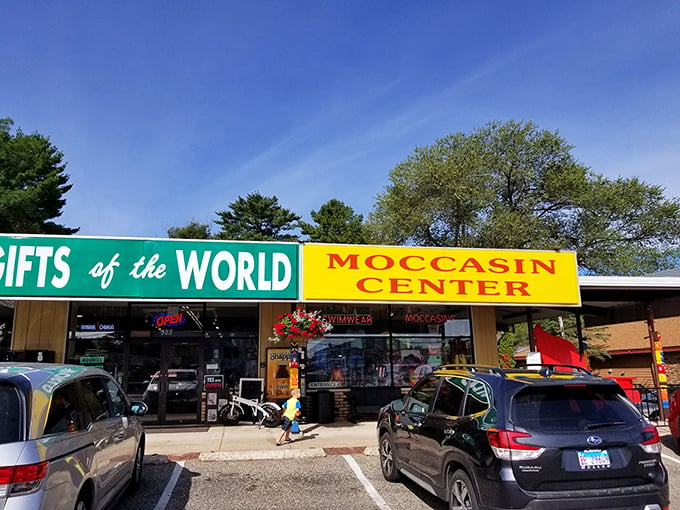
[138, 408]
[397, 405]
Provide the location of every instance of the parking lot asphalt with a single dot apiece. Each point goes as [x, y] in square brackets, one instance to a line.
[246, 441]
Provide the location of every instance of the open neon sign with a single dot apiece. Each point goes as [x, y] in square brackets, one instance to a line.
[169, 320]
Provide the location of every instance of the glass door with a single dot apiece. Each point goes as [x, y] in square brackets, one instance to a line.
[166, 375]
[183, 376]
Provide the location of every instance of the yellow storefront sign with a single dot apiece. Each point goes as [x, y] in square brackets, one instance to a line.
[438, 275]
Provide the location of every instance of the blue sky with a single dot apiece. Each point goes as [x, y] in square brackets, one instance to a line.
[167, 112]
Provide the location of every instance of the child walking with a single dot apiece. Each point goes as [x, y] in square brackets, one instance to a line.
[291, 410]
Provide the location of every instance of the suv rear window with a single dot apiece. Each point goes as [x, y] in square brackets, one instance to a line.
[10, 414]
[571, 407]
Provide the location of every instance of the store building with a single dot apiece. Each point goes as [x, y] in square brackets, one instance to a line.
[178, 321]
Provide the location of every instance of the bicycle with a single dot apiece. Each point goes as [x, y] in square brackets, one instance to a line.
[267, 413]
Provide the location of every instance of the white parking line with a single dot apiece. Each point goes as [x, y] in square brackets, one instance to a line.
[167, 492]
[367, 484]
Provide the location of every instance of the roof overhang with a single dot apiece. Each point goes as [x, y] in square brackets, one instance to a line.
[609, 300]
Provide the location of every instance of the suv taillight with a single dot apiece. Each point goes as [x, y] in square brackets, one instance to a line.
[651, 443]
[505, 446]
[21, 479]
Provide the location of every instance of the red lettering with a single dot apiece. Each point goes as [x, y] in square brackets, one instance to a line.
[397, 283]
[439, 289]
[435, 264]
[472, 263]
[498, 266]
[370, 262]
[361, 285]
[462, 284]
[403, 263]
[520, 287]
[486, 287]
[549, 268]
[335, 258]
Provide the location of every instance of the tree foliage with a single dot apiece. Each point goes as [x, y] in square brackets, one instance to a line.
[257, 218]
[32, 183]
[193, 230]
[512, 185]
[564, 326]
[335, 222]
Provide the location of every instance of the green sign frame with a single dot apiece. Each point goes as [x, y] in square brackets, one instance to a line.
[124, 268]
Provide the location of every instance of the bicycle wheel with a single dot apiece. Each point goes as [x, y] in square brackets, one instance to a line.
[273, 417]
[230, 415]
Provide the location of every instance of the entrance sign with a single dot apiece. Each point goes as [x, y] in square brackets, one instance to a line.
[450, 275]
[79, 267]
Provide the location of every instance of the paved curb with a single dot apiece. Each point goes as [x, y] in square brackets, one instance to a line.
[262, 454]
[279, 453]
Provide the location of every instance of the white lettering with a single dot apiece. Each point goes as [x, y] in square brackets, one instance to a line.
[105, 273]
[223, 256]
[262, 282]
[228, 269]
[246, 266]
[9, 272]
[150, 270]
[192, 269]
[62, 266]
[23, 264]
[282, 271]
[43, 253]
[20, 265]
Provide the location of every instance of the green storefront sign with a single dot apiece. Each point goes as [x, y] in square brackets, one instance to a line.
[79, 267]
[92, 360]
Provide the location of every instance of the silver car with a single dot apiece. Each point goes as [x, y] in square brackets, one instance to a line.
[69, 438]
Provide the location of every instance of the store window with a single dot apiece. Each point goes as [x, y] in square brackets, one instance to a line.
[6, 321]
[96, 334]
[232, 341]
[356, 353]
[427, 336]
[386, 345]
[225, 333]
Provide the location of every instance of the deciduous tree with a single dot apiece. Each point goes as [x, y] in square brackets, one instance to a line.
[513, 185]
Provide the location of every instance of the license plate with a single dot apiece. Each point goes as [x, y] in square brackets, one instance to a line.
[593, 459]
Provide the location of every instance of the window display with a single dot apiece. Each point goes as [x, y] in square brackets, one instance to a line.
[387, 345]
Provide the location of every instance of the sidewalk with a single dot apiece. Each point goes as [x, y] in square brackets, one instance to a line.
[248, 442]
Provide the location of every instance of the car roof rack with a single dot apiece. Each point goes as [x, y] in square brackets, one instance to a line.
[473, 368]
[548, 369]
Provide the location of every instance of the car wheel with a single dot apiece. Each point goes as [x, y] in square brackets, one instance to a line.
[654, 416]
[461, 492]
[273, 418]
[136, 480]
[387, 459]
[83, 503]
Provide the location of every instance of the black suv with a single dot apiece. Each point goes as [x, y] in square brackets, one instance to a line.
[554, 437]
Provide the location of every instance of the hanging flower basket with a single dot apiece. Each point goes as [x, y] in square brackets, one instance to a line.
[300, 323]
